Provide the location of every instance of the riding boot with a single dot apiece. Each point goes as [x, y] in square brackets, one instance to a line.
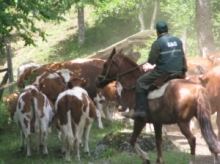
[141, 105]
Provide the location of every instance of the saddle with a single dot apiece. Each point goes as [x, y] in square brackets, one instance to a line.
[162, 80]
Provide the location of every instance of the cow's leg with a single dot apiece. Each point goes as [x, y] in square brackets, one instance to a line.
[67, 137]
[86, 138]
[67, 142]
[185, 129]
[106, 110]
[22, 140]
[38, 138]
[28, 138]
[99, 116]
[27, 134]
[77, 145]
[67, 149]
[98, 111]
[44, 134]
[158, 137]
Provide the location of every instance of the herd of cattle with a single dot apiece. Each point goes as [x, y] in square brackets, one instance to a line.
[65, 94]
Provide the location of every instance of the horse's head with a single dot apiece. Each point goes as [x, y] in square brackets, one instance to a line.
[110, 70]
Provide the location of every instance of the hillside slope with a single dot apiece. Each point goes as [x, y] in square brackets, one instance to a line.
[61, 41]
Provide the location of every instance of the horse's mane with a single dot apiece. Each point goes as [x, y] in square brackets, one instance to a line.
[127, 59]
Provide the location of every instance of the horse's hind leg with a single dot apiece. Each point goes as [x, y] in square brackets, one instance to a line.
[158, 136]
[184, 127]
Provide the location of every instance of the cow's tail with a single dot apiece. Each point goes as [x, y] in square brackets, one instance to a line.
[34, 105]
[68, 128]
[203, 116]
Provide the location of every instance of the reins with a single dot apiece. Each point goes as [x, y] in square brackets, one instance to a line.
[119, 75]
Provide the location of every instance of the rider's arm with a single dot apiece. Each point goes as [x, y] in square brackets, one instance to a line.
[154, 53]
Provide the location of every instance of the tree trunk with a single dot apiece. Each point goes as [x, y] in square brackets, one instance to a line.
[204, 27]
[184, 40]
[154, 15]
[10, 70]
[141, 17]
[81, 25]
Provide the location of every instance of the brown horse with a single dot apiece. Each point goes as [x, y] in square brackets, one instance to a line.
[182, 100]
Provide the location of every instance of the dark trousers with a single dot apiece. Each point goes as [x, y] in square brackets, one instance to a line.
[142, 86]
[143, 83]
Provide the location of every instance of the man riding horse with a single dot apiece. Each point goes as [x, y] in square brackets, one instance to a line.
[168, 56]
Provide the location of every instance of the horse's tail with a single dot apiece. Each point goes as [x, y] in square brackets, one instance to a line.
[203, 116]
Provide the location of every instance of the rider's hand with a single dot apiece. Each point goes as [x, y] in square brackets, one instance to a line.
[146, 67]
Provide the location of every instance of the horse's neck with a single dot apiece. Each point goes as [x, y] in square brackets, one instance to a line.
[129, 79]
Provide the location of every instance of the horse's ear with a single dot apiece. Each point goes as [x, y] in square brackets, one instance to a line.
[113, 52]
[120, 52]
[202, 69]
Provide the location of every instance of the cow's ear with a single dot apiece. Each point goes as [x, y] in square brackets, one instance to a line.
[69, 85]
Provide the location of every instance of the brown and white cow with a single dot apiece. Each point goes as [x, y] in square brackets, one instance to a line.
[88, 68]
[75, 112]
[51, 83]
[106, 102]
[10, 99]
[25, 66]
[33, 113]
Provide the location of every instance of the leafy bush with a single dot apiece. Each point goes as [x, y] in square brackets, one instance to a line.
[4, 115]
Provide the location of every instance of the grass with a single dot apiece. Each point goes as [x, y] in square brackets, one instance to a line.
[10, 141]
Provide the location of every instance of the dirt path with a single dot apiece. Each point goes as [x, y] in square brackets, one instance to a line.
[203, 155]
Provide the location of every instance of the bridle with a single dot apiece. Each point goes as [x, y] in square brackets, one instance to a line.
[117, 77]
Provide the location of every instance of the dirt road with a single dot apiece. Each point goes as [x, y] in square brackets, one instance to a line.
[203, 155]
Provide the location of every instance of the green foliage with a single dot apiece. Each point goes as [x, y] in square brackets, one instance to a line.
[216, 22]
[4, 115]
[19, 17]
[183, 19]
[121, 9]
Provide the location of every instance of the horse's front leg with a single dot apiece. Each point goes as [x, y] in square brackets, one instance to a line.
[138, 126]
[158, 137]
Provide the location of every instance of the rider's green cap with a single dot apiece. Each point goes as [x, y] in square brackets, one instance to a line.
[161, 27]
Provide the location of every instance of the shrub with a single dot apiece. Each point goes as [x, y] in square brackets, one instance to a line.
[4, 115]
